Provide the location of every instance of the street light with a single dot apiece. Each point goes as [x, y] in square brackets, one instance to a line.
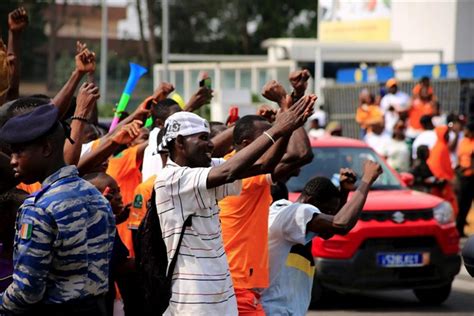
[165, 37]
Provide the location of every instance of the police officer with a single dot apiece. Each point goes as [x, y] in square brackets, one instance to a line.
[64, 232]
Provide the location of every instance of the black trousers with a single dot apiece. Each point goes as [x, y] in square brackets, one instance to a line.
[91, 306]
[465, 197]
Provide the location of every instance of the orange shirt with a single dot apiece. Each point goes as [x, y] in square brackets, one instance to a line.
[141, 196]
[244, 221]
[124, 168]
[417, 110]
[465, 155]
[440, 160]
[30, 188]
[367, 113]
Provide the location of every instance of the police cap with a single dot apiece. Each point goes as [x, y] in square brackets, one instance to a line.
[29, 126]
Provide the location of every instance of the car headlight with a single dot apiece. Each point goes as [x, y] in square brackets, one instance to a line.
[443, 213]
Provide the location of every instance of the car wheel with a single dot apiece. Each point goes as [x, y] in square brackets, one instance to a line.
[318, 293]
[433, 296]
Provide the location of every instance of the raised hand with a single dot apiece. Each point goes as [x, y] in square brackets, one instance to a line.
[347, 179]
[162, 92]
[128, 133]
[287, 121]
[86, 100]
[85, 61]
[17, 20]
[274, 91]
[80, 47]
[372, 171]
[5, 72]
[268, 112]
[299, 81]
[202, 96]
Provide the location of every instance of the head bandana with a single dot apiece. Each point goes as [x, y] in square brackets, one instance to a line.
[184, 124]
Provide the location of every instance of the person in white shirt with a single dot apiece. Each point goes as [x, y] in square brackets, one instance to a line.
[427, 137]
[377, 137]
[160, 111]
[396, 151]
[317, 212]
[394, 104]
[191, 183]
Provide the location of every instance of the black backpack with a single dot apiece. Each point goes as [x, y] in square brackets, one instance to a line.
[151, 260]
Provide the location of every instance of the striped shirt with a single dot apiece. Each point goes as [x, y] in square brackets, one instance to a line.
[201, 281]
[63, 244]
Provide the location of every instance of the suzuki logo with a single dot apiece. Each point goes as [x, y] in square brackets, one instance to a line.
[398, 217]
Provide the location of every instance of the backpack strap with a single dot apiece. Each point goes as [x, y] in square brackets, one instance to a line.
[187, 223]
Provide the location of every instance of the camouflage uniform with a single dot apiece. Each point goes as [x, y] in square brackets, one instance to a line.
[63, 244]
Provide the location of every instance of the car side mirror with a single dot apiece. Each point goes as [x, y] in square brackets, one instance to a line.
[407, 178]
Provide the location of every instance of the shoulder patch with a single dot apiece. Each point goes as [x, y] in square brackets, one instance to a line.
[138, 201]
[26, 229]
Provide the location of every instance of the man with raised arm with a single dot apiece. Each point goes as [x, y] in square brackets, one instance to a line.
[321, 210]
[191, 183]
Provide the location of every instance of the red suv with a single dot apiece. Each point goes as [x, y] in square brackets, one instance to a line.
[404, 239]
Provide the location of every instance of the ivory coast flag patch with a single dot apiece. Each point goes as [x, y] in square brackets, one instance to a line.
[25, 231]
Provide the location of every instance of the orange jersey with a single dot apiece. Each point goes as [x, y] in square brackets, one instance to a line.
[367, 113]
[30, 188]
[465, 155]
[244, 221]
[139, 206]
[124, 168]
[417, 110]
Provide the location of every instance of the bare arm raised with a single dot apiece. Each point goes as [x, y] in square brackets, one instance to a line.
[240, 165]
[347, 217]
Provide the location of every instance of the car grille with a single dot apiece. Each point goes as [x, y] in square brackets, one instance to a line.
[408, 215]
[390, 244]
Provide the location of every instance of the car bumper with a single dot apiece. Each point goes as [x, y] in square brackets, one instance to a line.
[361, 272]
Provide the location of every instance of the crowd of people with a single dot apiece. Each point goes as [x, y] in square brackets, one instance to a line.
[416, 137]
[185, 217]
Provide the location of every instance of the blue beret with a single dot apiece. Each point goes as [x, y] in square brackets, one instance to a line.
[29, 126]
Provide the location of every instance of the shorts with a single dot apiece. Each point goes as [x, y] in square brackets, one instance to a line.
[248, 303]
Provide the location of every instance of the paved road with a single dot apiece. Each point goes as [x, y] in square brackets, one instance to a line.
[460, 302]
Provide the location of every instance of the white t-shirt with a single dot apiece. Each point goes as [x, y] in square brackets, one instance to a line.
[398, 155]
[400, 101]
[316, 133]
[86, 148]
[320, 115]
[286, 227]
[378, 142]
[427, 138]
[201, 284]
[152, 162]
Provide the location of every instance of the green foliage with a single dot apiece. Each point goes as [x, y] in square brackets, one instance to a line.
[235, 26]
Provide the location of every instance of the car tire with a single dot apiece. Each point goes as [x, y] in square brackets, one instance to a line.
[433, 296]
[318, 294]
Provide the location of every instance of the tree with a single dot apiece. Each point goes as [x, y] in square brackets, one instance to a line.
[145, 51]
[235, 26]
[55, 15]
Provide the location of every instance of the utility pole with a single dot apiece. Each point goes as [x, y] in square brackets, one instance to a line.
[103, 54]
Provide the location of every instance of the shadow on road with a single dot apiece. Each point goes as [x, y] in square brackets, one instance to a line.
[394, 301]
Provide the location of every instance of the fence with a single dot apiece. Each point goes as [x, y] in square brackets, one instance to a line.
[455, 96]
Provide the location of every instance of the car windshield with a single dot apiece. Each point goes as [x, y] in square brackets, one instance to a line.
[328, 160]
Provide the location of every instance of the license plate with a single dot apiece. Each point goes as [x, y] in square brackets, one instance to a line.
[397, 260]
